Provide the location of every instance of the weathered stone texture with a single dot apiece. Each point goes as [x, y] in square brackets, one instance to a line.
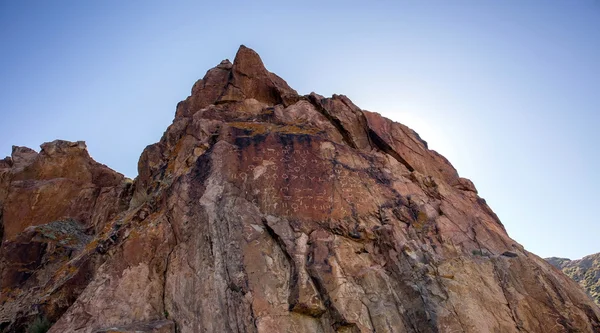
[51, 206]
[585, 271]
[264, 211]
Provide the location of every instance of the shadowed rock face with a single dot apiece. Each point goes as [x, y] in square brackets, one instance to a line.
[261, 210]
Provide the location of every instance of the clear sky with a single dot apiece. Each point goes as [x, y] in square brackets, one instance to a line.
[508, 91]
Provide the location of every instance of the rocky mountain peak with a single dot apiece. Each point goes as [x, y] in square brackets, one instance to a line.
[261, 210]
[585, 271]
[249, 79]
[248, 63]
[245, 79]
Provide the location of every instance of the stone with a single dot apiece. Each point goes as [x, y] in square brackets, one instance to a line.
[22, 156]
[250, 79]
[51, 204]
[585, 271]
[260, 210]
[159, 326]
[60, 182]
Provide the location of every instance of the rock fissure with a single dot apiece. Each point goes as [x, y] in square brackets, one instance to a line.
[386, 148]
[164, 286]
[361, 118]
[334, 121]
[293, 280]
[502, 285]
[336, 316]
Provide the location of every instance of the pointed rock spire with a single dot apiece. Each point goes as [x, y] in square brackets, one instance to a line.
[246, 78]
[248, 63]
[250, 79]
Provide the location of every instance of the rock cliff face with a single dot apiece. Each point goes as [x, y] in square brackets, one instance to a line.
[586, 271]
[51, 206]
[261, 210]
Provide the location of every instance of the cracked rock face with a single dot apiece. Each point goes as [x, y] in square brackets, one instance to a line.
[261, 210]
[52, 203]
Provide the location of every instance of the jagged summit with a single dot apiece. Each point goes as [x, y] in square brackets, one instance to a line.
[261, 210]
[246, 78]
[248, 63]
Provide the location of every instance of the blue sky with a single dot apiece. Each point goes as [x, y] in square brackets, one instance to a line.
[508, 91]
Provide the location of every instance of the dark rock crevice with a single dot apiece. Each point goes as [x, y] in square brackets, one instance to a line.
[314, 274]
[347, 137]
[293, 281]
[360, 116]
[166, 271]
[380, 144]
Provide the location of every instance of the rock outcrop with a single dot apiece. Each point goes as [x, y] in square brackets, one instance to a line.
[585, 271]
[261, 210]
[51, 205]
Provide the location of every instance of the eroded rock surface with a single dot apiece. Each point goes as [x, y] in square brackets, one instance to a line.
[585, 271]
[261, 210]
[52, 204]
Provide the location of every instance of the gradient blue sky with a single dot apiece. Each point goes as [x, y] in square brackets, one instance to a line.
[508, 91]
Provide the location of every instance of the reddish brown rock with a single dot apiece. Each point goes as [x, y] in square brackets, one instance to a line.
[22, 156]
[60, 182]
[51, 205]
[263, 211]
[250, 79]
[246, 78]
